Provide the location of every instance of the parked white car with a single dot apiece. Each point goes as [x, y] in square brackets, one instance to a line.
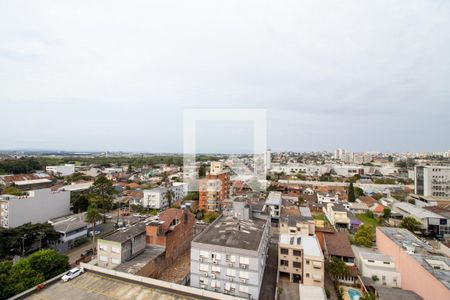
[72, 274]
[91, 233]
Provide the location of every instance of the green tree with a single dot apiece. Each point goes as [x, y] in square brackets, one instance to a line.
[169, 196]
[300, 201]
[22, 277]
[351, 193]
[193, 195]
[102, 192]
[359, 192]
[92, 217]
[48, 262]
[337, 268]
[364, 235]
[210, 216]
[80, 201]
[410, 223]
[202, 171]
[368, 296]
[386, 212]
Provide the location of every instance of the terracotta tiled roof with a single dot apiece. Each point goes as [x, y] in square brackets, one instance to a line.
[379, 208]
[369, 201]
[168, 215]
[337, 244]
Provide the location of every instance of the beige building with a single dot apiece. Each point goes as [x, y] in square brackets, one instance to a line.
[122, 245]
[302, 224]
[301, 260]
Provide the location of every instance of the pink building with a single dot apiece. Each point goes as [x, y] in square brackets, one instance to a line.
[422, 272]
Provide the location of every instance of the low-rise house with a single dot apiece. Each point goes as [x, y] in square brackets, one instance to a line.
[273, 203]
[61, 170]
[358, 207]
[121, 246]
[336, 214]
[301, 222]
[369, 201]
[338, 246]
[301, 259]
[377, 268]
[427, 218]
[73, 228]
[327, 197]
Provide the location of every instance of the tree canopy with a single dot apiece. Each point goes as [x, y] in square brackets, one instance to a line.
[364, 235]
[410, 223]
[351, 193]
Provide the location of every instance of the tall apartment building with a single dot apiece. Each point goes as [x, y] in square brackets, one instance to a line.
[422, 271]
[432, 181]
[215, 188]
[37, 207]
[301, 259]
[229, 256]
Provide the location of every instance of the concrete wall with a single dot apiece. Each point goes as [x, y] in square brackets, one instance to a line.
[413, 276]
[41, 206]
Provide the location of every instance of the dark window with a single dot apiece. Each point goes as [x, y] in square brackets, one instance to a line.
[284, 251]
[297, 253]
[297, 264]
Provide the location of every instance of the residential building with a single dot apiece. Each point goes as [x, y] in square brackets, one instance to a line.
[37, 206]
[377, 268]
[156, 198]
[422, 272]
[173, 231]
[121, 246]
[215, 188]
[324, 198]
[336, 214]
[268, 160]
[432, 181]
[61, 170]
[229, 256]
[273, 203]
[301, 223]
[338, 246]
[301, 259]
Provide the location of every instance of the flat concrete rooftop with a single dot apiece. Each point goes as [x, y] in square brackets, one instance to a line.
[96, 286]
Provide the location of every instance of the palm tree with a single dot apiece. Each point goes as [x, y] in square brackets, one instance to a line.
[337, 268]
[169, 196]
[93, 216]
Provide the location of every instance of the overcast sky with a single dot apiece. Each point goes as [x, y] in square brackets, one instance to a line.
[117, 75]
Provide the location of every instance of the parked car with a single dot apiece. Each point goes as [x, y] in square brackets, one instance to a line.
[75, 272]
[87, 252]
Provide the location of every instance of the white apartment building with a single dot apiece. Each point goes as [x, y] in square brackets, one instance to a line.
[37, 207]
[432, 181]
[229, 256]
[156, 198]
[300, 258]
[379, 268]
[61, 170]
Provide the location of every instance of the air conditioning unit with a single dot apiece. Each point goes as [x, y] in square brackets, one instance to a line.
[213, 275]
[230, 279]
[230, 264]
[215, 262]
[243, 280]
[203, 286]
[244, 266]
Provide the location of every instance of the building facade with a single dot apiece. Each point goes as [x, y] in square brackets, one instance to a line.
[37, 207]
[215, 188]
[432, 181]
[301, 258]
[62, 170]
[229, 256]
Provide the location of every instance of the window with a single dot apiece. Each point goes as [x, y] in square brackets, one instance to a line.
[204, 254]
[307, 262]
[215, 283]
[284, 263]
[215, 256]
[243, 289]
[297, 264]
[231, 258]
[103, 258]
[307, 275]
[103, 247]
[231, 272]
[204, 268]
[297, 253]
[371, 261]
[203, 280]
[115, 261]
[115, 250]
[284, 251]
[215, 269]
[244, 260]
[243, 274]
[386, 263]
